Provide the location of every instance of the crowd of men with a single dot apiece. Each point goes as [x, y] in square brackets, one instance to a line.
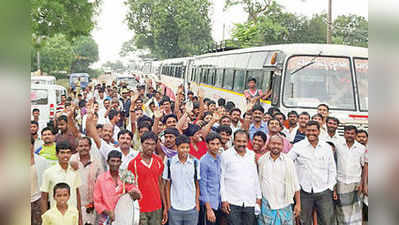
[191, 160]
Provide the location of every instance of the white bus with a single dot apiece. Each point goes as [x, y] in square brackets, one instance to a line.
[130, 80]
[46, 98]
[47, 80]
[301, 77]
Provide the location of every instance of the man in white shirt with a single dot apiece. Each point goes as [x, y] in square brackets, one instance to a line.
[350, 162]
[239, 182]
[332, 135]
[125, 140]
[316, 170]
[279, 185]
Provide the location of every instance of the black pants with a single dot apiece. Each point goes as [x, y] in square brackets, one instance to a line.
[241, 215]
[203, 219]
[322, 202]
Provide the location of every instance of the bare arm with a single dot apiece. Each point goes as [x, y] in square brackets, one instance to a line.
[207, 128]
[168, 194]
[44, 202]
[91, 129]
[157, 117]
[164, 202]
[132, 113]
[181, 122]
[79, 206]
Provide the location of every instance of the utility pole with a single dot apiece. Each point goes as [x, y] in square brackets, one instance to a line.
[329, 24]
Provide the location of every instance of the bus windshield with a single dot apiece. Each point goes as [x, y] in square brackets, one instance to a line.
[327, 80]
[362, 76]
[39, 97]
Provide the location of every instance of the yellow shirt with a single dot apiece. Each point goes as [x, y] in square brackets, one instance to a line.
[55, 175]
[55, 217]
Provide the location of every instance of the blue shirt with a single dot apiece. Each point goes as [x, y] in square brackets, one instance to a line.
[210, 180]
[182, 190]
[252, 129]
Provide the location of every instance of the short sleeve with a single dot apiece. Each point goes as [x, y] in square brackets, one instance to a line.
[165, 172]
[198, 169]
[78, 181]
[45, 219]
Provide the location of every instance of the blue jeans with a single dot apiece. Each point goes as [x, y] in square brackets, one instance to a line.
[241, 215]
[180, 217]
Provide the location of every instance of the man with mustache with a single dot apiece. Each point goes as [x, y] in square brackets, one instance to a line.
[124, 141]
[279, 184]
[257, 124]
[350, 163]
[298, 133]
[275, 127]
[315, 164]
[239, 184]
[332, 125]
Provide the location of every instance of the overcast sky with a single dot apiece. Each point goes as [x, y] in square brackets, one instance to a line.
[112, 31]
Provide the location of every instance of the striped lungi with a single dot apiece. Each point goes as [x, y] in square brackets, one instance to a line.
[349, 205]
[269, 216]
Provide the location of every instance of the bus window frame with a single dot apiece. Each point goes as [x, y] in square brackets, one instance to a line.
[284, 77]
[357, 83]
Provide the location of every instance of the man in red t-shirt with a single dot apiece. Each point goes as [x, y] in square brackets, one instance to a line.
[147, 169]
[198, 146]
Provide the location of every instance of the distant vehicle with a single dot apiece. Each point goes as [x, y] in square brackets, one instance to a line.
[46, 98]
[130, 80]
[82, 78]
[49, 80]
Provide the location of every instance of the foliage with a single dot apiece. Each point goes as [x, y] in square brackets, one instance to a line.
[351, 30]
[56, 55]
[69, 17]
[277, 27]
[170, 28]
[85, 53]
[254, 8]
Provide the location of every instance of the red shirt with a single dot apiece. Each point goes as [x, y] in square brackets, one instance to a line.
[201, 150]
[147, 177]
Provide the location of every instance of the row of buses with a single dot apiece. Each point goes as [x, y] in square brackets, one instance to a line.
[301, 77]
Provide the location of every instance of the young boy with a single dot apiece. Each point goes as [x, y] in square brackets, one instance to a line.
[182, 173]
[62, 172]
[62, 214]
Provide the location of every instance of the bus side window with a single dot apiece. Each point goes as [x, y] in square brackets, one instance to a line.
[239, 80]
[219, 78]
[276, 90]
[228, 79]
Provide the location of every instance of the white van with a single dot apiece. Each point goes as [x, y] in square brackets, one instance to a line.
[49, 80]
[46, 98]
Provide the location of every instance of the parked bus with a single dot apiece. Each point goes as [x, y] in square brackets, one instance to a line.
[46, 98]
[81, 78]
[301, 77]
[130, 80]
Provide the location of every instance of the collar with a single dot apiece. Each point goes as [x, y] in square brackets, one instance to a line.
[58, 166]
[211, 157]
[280, 157]
[176, 160]
[262, 125]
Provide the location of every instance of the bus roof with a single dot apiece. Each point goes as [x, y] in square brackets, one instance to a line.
[47, 78]
[298, 49]
[47, 86]
[79, 75]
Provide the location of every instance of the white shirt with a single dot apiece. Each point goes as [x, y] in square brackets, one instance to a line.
[127, 158]
[116, 131]
[272, 178]
[350, 162]
[315, 167]
[336, 139]
[292, 134]
[239, 182]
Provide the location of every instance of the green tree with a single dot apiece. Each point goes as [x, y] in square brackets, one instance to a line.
[69, 17]
[85, 53]
[254, 8]
[170, 28]
[351, 30]
[56, 55]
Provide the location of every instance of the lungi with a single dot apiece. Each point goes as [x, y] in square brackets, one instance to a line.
[349, 205]
[284, 216]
